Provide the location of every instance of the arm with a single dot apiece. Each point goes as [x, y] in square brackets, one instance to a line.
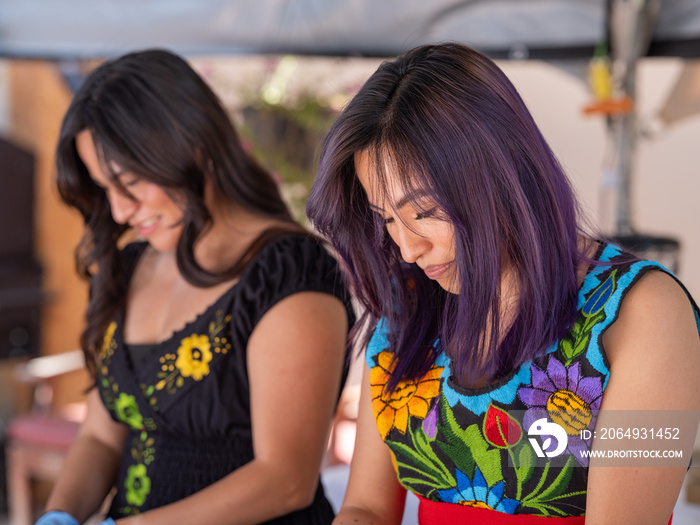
[295, 360]
[90, 468]
[374, 495]
[654, 354]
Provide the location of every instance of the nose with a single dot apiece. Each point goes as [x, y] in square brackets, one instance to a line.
[411, 244]
[122, 207]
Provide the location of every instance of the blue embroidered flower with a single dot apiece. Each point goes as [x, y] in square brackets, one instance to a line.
[476, 493]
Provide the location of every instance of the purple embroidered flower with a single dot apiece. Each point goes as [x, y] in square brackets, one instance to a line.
[565, 397]
[430, 421]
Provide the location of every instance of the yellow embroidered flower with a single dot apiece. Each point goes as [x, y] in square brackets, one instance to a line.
[193, 356]
[411, 398]
[108, 341]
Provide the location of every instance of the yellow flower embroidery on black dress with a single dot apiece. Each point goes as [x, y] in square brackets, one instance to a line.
[192, 360]
[110, 388]
[108, 343]
[193, 357]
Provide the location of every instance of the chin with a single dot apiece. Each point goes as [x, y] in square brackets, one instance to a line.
[449, 285]
[163, 245]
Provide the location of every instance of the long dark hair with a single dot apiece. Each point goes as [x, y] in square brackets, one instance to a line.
[151, 114]
[451, 124]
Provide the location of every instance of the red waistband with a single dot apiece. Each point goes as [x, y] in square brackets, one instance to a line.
[438, 513]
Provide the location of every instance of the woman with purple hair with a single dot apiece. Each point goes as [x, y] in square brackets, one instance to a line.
[497, 332]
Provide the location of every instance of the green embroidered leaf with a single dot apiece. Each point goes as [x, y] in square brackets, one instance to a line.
[477, 452]
[544, 509]
[581, 344]
[576, 330]
[568, 495]
[540, 483]
[423, 444]
[591, 321]
[420, 486]
[487, 459]
[431, 466]
[538, 506]
[560, 483]
[526, 463]
[567, 349]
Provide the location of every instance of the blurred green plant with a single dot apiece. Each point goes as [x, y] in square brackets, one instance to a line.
[285, 133]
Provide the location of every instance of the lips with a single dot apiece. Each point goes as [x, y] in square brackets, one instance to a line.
[146, 227]
[436, 271]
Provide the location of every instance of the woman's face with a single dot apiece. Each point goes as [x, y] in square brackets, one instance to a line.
[149, 209]
[414, 223]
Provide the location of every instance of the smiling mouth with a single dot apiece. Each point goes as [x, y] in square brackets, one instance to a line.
[436, 271]
[147, 226]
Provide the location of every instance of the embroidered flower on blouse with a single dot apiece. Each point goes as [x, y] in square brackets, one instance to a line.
[411, 398]
[476, 493]
[566, 398]
[500, 428]
[193, 356]
[137, 485]
[108, 343]
[128, 411]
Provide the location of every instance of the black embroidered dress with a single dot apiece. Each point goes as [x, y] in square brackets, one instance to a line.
[188, 402]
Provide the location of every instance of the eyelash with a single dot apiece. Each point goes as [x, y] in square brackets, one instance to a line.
[425, 214]
[420, 215]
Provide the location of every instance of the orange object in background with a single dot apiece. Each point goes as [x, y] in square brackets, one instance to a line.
[610, 107]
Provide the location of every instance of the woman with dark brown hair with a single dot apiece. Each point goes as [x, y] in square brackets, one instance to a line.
[217, 341]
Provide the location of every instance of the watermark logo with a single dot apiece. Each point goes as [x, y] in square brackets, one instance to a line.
[543, 427]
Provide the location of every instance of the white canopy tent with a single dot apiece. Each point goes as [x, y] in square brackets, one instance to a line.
[511, 29]
[503, 28]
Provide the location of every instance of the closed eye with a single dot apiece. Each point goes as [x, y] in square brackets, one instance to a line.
[426, 214]
[129, 182]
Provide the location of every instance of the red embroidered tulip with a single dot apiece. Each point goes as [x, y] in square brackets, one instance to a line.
[500, 429]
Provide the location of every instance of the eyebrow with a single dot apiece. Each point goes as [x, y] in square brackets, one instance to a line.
[409, 197]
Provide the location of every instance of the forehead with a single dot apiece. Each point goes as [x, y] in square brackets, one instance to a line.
[384, 183]
[92, 158]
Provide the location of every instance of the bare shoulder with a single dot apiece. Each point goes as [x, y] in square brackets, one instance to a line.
[654, 342]
[656, 303]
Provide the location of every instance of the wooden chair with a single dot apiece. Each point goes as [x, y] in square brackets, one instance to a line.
[37, 442]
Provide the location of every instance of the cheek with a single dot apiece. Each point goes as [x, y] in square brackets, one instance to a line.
[445, 237]
[157, 197]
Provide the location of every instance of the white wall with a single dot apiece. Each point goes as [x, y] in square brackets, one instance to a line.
[666, 182]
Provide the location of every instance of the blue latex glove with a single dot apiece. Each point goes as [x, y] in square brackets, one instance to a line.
[108, 521]
[57, 517]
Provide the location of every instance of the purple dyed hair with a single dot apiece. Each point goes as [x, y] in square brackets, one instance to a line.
[449, 122]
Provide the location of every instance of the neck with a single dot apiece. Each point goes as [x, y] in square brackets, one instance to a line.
[231, 233]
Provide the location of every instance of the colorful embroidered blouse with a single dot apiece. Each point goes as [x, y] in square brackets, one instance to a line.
[188, 404]
[471, 447]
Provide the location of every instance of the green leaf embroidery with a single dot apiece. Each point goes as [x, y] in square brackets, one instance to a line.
[567, 349]
[525, 467]
[431, 467]
[560, 483]
[478, 452]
